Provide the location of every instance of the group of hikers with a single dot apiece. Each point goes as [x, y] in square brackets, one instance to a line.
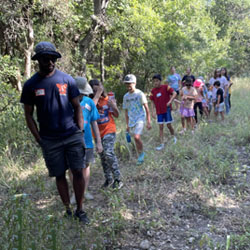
[71, 112]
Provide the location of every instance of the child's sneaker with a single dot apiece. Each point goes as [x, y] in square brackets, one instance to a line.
[82, 217]
[182, 131]
[107, 184]
[160, 147]
[117, 184]
[175, 140]
[140, 159]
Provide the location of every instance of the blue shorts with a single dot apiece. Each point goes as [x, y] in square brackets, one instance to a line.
[165, 118]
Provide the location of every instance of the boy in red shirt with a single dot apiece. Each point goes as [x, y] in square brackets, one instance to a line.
[162, 97]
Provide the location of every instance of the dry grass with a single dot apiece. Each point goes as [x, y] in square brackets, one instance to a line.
[192, 195]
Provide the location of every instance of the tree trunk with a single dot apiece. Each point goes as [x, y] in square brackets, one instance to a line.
[98, 22]
[102, 57]
[29, 49]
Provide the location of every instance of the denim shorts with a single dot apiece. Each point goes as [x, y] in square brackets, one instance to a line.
[220, 108]
[165, 118]
[63, 153]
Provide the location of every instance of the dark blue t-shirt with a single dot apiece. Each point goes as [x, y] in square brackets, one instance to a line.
[51, 96]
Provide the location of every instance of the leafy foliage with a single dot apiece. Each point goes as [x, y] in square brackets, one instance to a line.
[15, 139]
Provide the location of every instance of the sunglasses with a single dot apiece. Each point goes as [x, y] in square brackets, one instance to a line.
[47, 59]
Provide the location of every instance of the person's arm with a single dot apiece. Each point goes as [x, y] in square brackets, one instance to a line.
[95, 129]
[77, 112]
[226, 82]
[225, 91]
[179, 83]
[183, 80]
[115, 111]
[218, 101]
[191, 97]
[201, 92]
[28, 112]
[127, 120]
[148, 116]
[153, 109]
[98, 93]
[173, 95]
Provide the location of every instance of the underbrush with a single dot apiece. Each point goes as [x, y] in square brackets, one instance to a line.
[190, 180]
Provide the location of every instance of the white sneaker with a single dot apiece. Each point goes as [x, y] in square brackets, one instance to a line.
[72, 199]
[160, 147]
[175, 140]
[182, 131]
[88, 196]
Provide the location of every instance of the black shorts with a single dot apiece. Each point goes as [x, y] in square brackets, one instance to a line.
[61, 154]
[177, 92]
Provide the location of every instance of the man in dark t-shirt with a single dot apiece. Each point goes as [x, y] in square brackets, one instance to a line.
[188, 74]
[60, 134]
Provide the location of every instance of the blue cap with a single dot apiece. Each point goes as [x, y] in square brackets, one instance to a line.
[45, 48]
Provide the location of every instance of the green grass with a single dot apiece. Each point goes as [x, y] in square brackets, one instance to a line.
[195, 193]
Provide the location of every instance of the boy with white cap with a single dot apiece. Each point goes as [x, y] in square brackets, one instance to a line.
[136, 110]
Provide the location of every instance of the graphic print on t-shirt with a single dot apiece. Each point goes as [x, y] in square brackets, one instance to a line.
[62, 88]
[104, 114]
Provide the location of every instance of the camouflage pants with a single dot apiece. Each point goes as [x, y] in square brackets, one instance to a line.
[109, 159]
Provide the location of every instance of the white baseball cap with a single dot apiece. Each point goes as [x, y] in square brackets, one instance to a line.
[130, 78]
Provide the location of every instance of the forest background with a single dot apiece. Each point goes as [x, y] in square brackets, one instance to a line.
[107, 39]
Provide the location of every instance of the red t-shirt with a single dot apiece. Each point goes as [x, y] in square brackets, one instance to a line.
[161, 96]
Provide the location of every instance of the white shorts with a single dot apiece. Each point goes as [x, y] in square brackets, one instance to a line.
[137, 129]
[220, 108]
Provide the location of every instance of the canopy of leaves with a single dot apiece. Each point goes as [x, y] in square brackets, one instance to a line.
[141, 36]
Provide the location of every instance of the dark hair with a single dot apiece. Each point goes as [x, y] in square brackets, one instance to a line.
[95, 82]
[225, 73]
[157, 76]
[215, 75]
[217, 83]
[189, 80]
